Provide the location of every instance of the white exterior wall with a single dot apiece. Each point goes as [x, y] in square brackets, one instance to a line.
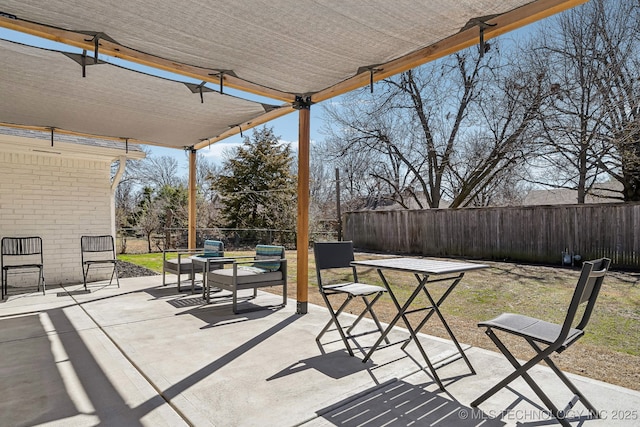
[59, 199]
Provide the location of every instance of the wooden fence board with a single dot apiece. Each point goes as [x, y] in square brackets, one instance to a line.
[530, 234]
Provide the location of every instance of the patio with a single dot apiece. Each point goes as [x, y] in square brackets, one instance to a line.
[145, 355]
[299, 54]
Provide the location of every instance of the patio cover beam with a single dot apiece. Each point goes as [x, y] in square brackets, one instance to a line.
[191, 233]
[264, 118]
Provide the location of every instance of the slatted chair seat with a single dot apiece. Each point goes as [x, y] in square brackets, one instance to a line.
[8, 267]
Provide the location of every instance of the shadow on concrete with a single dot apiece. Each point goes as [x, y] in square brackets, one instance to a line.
[175, 389]
[218, 312]
[32, 388]
[398, 403]
[36, 350]
[337, 364]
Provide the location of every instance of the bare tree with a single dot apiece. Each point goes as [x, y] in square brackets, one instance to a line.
[357, 162]
[447, 130]
[125, 204]
[591, 124]
[207, 197]
[321, 186]
[486, 164]
[148, 215]
[617, 23]
[573, 119]
[158, 172]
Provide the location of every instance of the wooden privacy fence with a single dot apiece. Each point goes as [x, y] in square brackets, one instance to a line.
[530, 234]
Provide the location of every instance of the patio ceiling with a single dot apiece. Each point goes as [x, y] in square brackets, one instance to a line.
[282, 49]
[45, 88]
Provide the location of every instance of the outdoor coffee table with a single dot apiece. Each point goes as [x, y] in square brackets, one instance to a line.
[425, 271]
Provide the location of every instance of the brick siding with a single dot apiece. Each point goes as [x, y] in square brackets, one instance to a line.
[58, 199]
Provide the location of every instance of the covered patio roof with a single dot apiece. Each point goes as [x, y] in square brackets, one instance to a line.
[46, 89]
[280, 49]
[293, 47]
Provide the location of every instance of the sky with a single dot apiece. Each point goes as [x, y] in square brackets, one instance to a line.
[286, 127]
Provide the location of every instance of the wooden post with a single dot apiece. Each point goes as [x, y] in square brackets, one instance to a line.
[302, 242]
[192, 198]
[338, 210]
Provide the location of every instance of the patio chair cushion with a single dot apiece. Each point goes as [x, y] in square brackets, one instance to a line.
[245, 275]
[254, 269]
[183, 261]
[213, 248]
[271, 253]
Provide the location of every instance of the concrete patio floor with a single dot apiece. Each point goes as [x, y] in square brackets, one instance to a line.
[145, 355]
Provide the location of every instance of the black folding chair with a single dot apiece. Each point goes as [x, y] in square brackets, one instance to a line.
[21, 253]
[98, 250]
[339, 255]
[547, 338]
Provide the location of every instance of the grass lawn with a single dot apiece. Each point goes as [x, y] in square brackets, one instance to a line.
[610, 350]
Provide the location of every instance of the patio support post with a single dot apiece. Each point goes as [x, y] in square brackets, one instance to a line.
[122, 164]
[192, 198]
[302, 240]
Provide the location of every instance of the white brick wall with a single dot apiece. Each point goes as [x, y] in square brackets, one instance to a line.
[58, 199]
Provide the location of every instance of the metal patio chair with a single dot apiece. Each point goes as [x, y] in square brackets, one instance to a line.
[211, 258]
[179, 265]
[21, 253]
[98, 250]
[547, 338]
[339, 255]
[267, 268]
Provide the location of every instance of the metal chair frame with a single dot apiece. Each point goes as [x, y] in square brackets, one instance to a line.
[183, 263]
[98, 244]
[547, 338]
[339, 255]
[21, 247]
[179, 265]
